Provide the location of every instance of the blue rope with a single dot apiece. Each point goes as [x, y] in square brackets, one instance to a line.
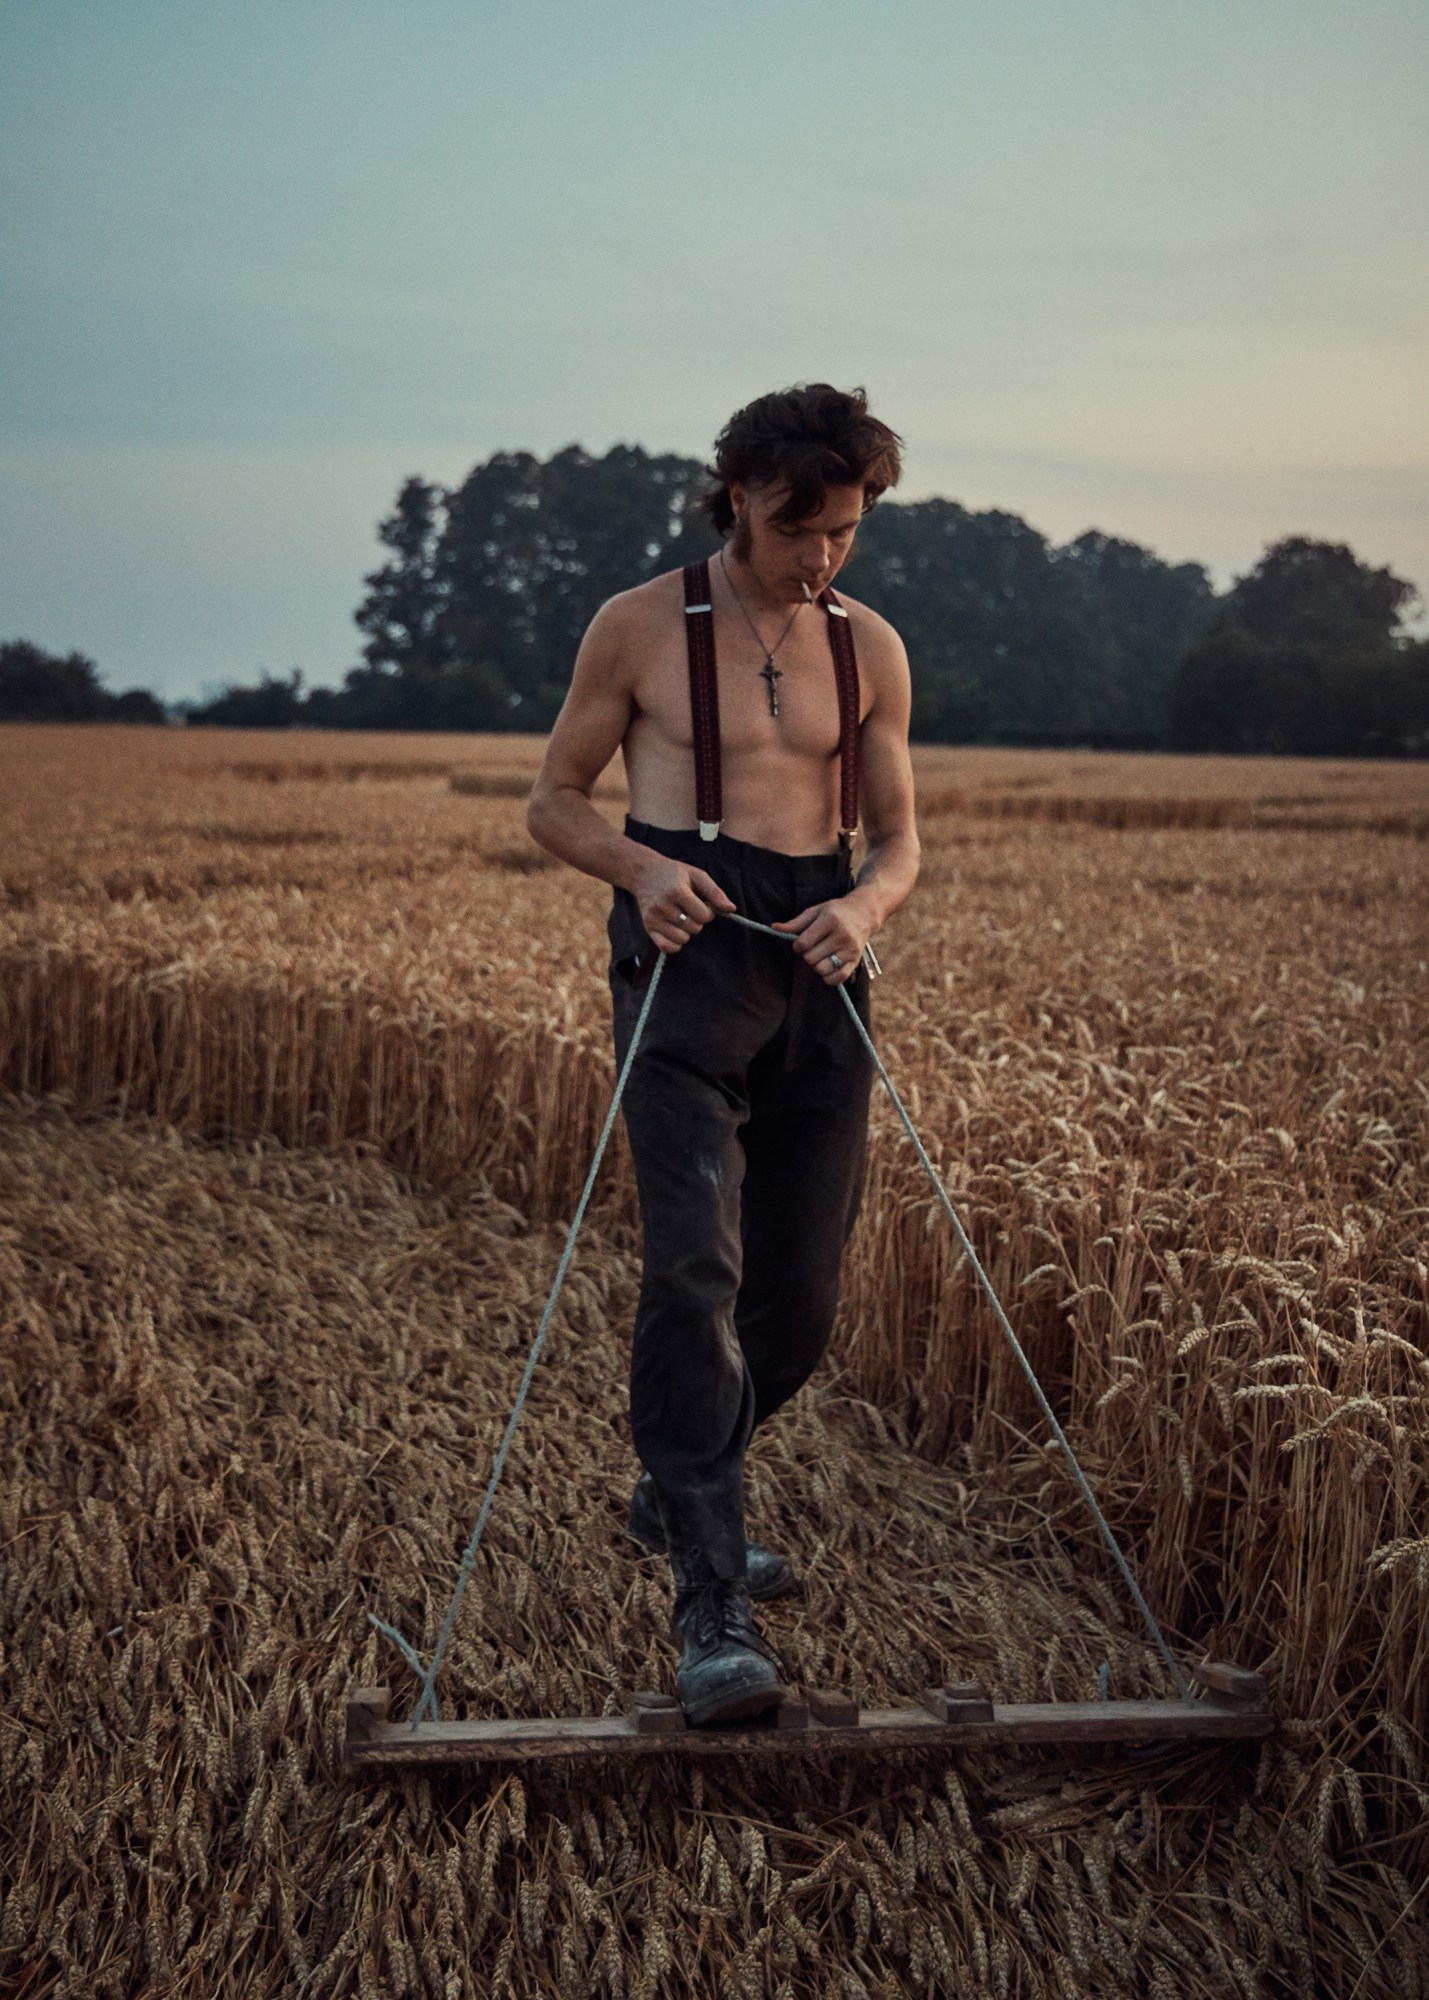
[1182, 1687]
[428, 1699]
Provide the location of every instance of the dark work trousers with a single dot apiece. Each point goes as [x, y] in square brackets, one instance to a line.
[747, 1110]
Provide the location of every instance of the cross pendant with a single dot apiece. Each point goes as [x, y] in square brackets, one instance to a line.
[772, 674]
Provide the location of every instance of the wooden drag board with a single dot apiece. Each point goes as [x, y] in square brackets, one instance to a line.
[1234, 1704]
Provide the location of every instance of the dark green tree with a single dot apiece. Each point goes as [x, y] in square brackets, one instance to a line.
[1304, 657]
[136, 705]
[952, 582]
[460, 695]
[533, 549]
[274, 704]
[36, 686]
[1400, 696]
[1014, 641]
[401, 613]
[1144, 614]
[1321, 596]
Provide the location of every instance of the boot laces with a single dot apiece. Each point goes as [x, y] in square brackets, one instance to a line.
[715, 1612]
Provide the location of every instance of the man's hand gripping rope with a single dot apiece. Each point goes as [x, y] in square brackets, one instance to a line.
[677, 900]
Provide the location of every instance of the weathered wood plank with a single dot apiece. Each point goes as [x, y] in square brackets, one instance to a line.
[507, 1740]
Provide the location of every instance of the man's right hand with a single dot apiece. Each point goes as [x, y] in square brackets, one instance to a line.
[677, 901]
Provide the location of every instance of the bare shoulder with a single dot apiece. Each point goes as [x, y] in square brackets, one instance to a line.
[645, 603]
[619, 636]
[632, 617]
[881, 652]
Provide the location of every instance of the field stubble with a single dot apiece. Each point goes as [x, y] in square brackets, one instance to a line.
[1171, 1066]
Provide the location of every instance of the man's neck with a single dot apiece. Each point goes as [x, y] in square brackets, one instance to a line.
[757, 595]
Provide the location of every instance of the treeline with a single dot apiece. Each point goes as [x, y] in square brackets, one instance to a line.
[473, 620]
[36, 686]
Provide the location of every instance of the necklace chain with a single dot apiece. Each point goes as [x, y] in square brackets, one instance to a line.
[768, 651]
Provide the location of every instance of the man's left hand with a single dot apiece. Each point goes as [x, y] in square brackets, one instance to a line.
[830, 932]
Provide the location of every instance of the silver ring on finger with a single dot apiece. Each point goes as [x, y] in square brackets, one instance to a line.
[679, 916]
[836, 961]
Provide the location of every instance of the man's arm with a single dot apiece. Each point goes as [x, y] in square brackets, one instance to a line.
[560, 817]
[842, 928]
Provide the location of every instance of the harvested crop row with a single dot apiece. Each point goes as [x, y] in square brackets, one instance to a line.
[254, 1394]
[1174, 1079]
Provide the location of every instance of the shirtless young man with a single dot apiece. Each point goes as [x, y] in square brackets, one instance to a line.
[747, 1102]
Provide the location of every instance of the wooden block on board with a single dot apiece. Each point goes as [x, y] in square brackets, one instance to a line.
[961, 1701]
[833, 1708]
[1236, 1685]
[656, 1714]
[367, 1713]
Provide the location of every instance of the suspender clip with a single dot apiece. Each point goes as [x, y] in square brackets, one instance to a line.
[691, 609]
[709, 829]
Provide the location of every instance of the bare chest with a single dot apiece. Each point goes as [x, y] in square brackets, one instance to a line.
[802, 686]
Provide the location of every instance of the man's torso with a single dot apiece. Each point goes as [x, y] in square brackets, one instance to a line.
[779, 773]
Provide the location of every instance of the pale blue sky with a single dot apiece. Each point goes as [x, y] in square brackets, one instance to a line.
[1156, 270]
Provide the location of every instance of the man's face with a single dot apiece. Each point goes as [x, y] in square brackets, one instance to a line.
[785, 556]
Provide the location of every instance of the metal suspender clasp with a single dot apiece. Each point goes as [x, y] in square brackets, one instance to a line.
[836, 611]
[691, 609]
[709, 829]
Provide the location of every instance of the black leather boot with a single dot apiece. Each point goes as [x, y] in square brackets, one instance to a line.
[766, 1574]
[727, 1669]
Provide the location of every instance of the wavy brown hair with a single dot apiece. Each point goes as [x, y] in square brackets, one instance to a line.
[813, 435]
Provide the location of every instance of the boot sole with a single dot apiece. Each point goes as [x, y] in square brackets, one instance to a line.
[732, 1706]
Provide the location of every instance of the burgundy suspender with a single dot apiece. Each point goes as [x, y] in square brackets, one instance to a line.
[704, 696]
[704, 703]
[846, 674]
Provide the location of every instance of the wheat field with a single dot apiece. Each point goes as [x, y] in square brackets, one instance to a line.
[303, 1049]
